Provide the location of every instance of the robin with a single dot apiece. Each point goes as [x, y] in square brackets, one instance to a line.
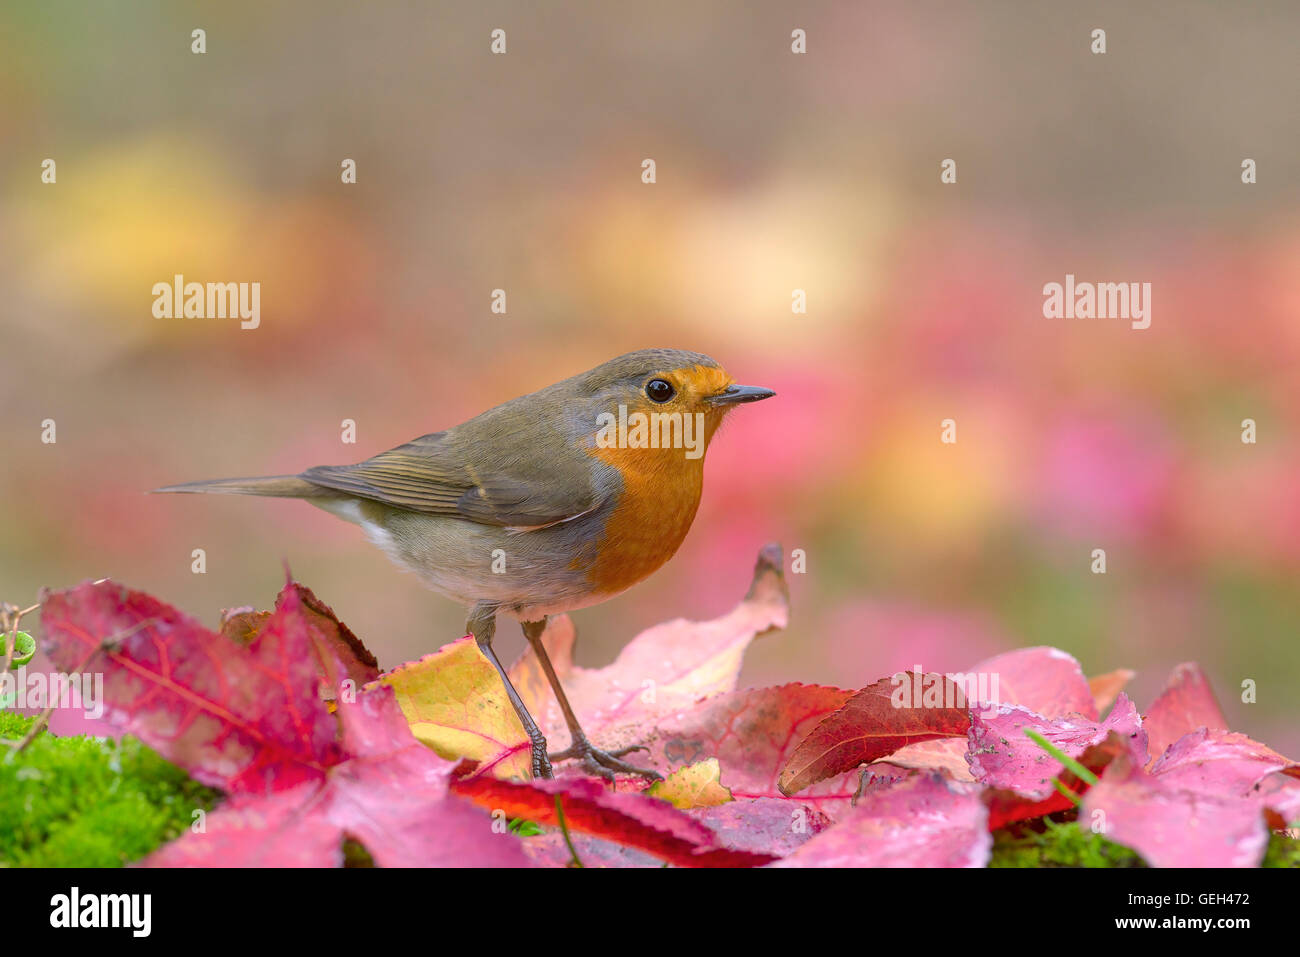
[550, 502]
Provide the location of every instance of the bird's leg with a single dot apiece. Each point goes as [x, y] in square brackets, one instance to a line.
[601, 763]
[482, 625]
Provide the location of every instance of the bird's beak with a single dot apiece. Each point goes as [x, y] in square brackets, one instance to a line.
[736, 394]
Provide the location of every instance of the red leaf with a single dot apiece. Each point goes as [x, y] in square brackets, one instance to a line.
[241, 719]
[340, 654]
[751, 733]
[873, 723]
[247, 719]
[632, 820]
[1187, 703]
[923, 821]
[390, 793]
[1002, 756]
[1045, 680]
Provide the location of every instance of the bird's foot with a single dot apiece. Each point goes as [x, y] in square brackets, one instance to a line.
[541, 761]
[604, 764]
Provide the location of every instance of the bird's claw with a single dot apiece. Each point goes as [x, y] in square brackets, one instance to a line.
[605, 764]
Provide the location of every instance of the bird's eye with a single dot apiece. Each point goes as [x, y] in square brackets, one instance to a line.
[659, 390]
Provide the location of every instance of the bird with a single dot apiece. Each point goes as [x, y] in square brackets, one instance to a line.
[550, 502]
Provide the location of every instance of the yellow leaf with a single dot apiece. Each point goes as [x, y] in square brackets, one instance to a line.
[699, 785]
[455, 703]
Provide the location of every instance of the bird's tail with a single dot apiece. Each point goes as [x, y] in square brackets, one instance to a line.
[278, 486]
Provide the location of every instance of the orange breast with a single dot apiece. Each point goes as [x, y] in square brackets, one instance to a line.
[661, 491]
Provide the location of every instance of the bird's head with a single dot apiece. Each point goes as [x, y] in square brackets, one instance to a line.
[660, 400]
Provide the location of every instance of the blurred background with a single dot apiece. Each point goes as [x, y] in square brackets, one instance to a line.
[775, 172]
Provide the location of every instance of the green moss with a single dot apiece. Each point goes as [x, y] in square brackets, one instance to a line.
[1068, 845]
[1282, 852]
[83, 802]
[1060, 845]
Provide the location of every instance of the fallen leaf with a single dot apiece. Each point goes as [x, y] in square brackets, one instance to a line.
[925, 820]
[390, 794]
[1002, 756]
[248, 719]
[1222, 763]
[751, 733]
[1187, 703]
[1009, 807]
[698, 785]
[238, 718]
[873, 723]
[1170, 826]
[763, 825]
[632, 820]
[455, 703]
[340, 655]
[1045, 680]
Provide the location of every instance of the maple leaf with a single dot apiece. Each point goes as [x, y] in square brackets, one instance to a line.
[872, 724]
[248, 719]
[237, 718]
[925, 820]
[390, 793]
[340, 655]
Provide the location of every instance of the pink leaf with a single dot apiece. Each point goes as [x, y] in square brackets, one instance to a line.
[1187, 703]
[923, 821]
[1170, 826]
[1002, 756]
[1222, 763]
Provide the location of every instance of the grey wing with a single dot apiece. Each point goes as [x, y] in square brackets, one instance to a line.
[432, 474]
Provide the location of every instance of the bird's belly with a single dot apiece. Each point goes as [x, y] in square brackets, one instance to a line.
[470, 562]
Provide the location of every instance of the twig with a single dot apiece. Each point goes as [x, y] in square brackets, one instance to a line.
[564, 829]
[10, 616]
